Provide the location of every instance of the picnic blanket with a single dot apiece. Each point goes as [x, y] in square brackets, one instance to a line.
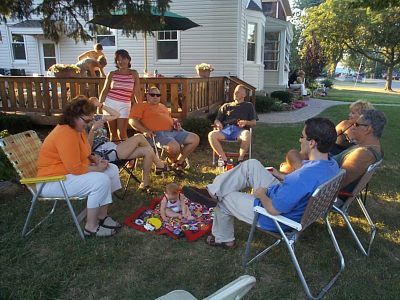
[148, 219]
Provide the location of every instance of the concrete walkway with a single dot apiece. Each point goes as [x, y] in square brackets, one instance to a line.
[314, 107]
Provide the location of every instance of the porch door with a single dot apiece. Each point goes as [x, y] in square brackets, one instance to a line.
[48, 55]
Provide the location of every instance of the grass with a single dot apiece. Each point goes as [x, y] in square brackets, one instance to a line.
[346, 92]
[54, 263]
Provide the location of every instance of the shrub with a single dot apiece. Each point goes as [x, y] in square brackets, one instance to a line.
[200, 126]
[15, 123]
[264, 104]
[327, 82]
[278, 106]
[284, 96]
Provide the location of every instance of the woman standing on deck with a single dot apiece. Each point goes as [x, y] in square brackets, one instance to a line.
[121, 91]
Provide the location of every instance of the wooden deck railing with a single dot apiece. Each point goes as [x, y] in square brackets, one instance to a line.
[44, 98]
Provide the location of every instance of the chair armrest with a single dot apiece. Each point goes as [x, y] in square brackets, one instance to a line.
[279, 218]
[42, 179]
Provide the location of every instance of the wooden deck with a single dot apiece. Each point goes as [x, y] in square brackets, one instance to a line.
[43, 98]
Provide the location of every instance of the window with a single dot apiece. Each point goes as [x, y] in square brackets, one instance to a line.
[167, 45]
[271, 51]
[251, 41]
[105, 36]
[18, 47]
[49, 55]
[269, 9]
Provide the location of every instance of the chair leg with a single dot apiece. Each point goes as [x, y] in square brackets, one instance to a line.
[30, 213]
[71, 209]
[245, 260]
[352, 231]
[290, 247]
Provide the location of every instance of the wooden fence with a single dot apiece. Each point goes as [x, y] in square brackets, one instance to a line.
[44, 98]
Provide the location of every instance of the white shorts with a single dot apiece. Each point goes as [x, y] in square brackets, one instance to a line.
[124, 108]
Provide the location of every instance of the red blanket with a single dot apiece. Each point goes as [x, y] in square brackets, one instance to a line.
[143, 218]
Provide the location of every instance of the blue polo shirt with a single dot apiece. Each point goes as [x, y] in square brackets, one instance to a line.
[290, 197]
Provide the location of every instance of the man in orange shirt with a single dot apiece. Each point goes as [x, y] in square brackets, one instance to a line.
[153, 119]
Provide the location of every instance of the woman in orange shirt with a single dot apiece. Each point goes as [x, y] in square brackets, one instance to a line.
[66, 151]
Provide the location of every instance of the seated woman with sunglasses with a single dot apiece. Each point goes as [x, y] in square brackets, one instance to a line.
[66, 151]
[366, 132]
[153, 119]
[134, 147]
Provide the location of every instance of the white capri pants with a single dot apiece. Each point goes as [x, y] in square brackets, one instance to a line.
[97, 186]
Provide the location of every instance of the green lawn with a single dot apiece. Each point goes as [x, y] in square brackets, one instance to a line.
[54, 263]
[350, 95]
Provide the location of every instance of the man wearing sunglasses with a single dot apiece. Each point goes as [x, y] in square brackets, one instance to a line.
[153, 119]
[279, 194]
[366, 133]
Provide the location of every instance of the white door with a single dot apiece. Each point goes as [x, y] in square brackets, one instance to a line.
[48, 55]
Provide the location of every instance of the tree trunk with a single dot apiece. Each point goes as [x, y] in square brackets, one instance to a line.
[389, 78]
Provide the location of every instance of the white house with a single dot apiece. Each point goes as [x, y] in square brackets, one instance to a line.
[246, 38]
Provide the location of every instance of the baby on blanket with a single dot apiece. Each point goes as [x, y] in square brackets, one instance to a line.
[174, 204]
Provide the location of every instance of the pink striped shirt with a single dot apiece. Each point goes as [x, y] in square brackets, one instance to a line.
[121, 88]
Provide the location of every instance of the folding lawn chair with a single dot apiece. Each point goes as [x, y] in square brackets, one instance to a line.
[359, 193]
[318, 207]
[22, 150]
[234, 290]
[234, 154]
[124, 165]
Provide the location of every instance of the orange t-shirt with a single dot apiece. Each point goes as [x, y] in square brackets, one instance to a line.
[64, 151]
[153, 117]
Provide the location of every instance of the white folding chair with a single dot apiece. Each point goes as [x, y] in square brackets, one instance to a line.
[22, 150]
[234, 154]
[318, 207]
[234, 290]
[359, 193]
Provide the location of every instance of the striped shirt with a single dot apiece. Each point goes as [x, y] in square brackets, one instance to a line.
[122, 87]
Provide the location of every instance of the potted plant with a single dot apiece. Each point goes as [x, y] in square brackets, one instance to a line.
[65, 70]
[204, 70]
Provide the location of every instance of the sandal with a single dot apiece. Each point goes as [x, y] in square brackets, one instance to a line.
[161, 171]
[179, 169]
[108, 222]
[100, 232]
[227, 245]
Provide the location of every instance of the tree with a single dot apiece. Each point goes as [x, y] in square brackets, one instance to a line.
[313, 59]
[372, 33]
[68, 17]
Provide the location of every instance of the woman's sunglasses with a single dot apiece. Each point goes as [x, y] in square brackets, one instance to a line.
[154, 95]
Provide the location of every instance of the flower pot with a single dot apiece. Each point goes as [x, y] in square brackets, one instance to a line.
[203, 73]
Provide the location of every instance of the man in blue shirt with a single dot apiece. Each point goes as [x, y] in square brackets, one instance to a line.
[279, 194]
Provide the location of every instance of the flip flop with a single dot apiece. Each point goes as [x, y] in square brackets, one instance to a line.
[100, 232]
[227, 245]
[108, 222]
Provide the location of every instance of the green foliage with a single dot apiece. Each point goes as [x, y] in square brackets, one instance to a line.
[264, 104]
[200, 126]
[313, 58]
[15, 123]
[284, 96]
[69, 17]
[327, 83]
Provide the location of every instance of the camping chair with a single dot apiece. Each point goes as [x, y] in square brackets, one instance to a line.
[318, 206]
[234, 154]
[163, 155]
[125, 166]
[234, 290]
[22, 150]
[360, 194]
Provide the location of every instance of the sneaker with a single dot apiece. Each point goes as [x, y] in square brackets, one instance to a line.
[199, 195]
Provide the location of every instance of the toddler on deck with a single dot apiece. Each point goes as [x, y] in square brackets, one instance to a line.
[173, 204]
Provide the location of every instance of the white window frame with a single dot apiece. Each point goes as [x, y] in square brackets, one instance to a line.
[12, 48]
[255, 42]
[277, 51]
[178, 41]
[114, 33]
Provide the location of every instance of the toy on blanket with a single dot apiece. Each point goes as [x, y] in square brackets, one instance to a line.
[153, 224]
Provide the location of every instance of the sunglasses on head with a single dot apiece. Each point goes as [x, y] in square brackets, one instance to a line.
[87, 121]
[154, 95]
